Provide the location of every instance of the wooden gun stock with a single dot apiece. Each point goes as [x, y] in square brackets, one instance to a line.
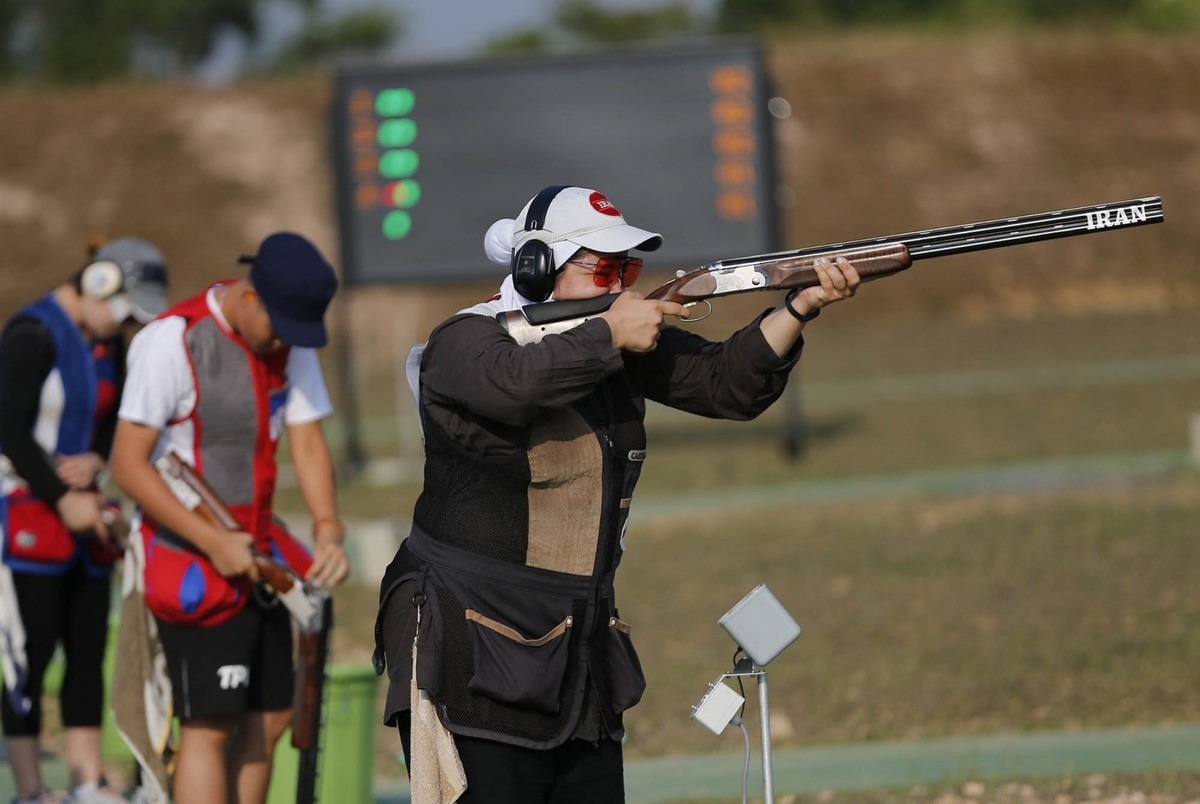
[194, 492]
[274, 574]
[118, 526]
[782, 274]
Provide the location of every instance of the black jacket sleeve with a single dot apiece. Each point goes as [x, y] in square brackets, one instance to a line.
[26, 358]
[470, 362]
[737, 378]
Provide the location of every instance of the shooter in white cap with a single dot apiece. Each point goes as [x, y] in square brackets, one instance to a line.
[505, 583]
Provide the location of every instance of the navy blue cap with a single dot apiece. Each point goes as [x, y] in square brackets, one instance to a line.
[296, 285]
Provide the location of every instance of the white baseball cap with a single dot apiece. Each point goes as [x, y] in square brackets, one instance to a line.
[578, 217]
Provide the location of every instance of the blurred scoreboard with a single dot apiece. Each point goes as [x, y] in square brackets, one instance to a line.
[428, 156]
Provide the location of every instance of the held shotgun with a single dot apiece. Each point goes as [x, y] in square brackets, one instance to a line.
[313, 655]
[191, 489]
[311, 608]
[874, 258]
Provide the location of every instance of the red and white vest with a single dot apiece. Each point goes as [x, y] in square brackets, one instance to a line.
[235, 426]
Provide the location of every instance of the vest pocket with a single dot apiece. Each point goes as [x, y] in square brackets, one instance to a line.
[508, 637]
[516, 669]
[624, 670]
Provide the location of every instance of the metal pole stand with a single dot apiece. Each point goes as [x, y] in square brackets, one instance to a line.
[745, 668]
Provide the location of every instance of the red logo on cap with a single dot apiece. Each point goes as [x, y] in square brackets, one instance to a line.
[603, 205]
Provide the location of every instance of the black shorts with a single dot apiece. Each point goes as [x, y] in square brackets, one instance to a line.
[242, 665]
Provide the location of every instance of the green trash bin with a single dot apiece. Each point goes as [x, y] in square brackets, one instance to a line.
[346, 767]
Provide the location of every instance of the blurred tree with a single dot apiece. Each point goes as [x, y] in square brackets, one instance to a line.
[744, 16]
[188, 29]
[92, 40]
[75, 40]
[1067, 10]
[358, 32]
[9, 14]
[526, 41]
[584, 21]
[588, 22]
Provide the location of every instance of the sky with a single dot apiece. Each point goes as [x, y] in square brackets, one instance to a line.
[434, 29]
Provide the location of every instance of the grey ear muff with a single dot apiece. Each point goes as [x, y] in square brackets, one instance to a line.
[102, 279]
[533, 262]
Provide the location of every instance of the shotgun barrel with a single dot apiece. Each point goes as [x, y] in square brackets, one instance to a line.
[996, 233]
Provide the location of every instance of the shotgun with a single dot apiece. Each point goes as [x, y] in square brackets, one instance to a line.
[874, 258]
[196, 494]
[313, 651]
[311, 608]
[117, 524]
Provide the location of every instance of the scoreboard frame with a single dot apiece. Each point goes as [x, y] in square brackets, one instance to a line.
[710, 129]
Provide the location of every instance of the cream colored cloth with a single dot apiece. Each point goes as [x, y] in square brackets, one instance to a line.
[141, 686]
[435, 771]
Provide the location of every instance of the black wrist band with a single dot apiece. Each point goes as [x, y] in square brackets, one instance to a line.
[787, 304]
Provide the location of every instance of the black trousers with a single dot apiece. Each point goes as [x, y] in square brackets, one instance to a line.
[71, 608]
[577, 772]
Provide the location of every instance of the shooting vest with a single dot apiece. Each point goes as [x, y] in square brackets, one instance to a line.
[514, 559]
[235, 422]
[79, 391]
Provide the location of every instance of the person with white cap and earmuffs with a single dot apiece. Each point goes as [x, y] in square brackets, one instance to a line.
[62, 362]
[509, 665]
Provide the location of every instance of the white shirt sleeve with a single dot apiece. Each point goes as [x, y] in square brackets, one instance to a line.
[308, 399]
[158, 383]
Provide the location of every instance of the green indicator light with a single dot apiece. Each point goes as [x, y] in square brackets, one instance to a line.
[396, 225]
[394, 102]
[398, 164]
[404, 193]
[397, 133]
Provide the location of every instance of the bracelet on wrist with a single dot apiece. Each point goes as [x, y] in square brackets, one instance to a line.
[328, 520]
[806, 317]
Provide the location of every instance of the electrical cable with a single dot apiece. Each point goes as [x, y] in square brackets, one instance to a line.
[737, 721]
[741, 689]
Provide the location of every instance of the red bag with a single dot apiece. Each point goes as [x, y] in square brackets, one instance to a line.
[182, 586]
[34, 533]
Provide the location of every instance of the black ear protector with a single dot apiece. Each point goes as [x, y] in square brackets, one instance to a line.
[533, 262]
[102, 279]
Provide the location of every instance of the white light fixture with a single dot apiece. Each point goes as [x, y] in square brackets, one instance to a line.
[762, 628]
